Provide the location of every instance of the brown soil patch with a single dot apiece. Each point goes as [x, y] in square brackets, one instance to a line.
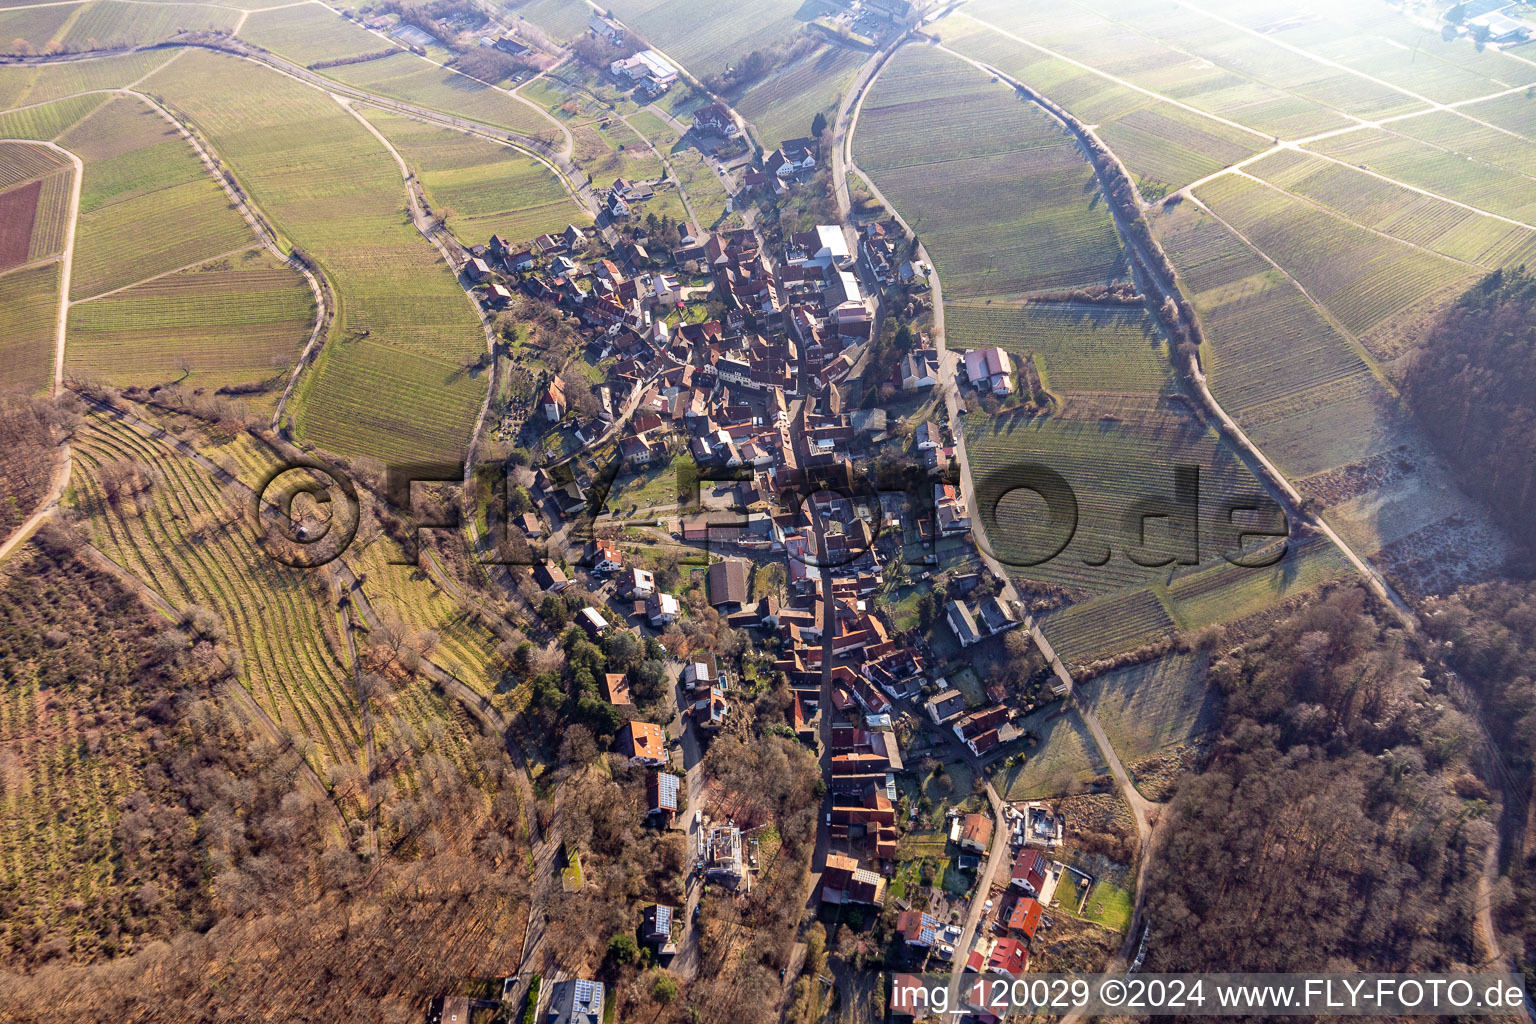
[18, 211]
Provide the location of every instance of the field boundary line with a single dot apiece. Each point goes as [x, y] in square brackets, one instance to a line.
[1426, 192]
[56, 99]
[1336, 215]
[263, 236]
[1113, 78]
[29, 266]
[168, 273]
[570, 142]
[430, 232]
[1348, 335]
[1327, 62]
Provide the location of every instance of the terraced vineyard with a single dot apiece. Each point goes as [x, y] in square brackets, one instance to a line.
[1111, 464]
[1001, 195]
[1288, 375]
[1482, 182]
[111, 24]
[1163, 145]
[491, 189]
[30, 299]
[187, 539]
[148, 204]
[464, 645]
[392, 381]
[1076, 347]
[237, 320]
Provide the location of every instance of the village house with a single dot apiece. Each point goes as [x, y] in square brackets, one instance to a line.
[641, 584]
[661, 609]
[962, 623]
[728, 584]
[946, 705]
[616, 688]
[550, 577]
[975, 833]
[661, 794]
[920, 369]
[714, 119]
[592, 622]
[575, 1001]
[642, 742]
[990, 369]
[606, 29]
[656, 928]
[1029, 871]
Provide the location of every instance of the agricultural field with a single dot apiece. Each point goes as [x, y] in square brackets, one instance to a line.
[46, 121]
[404, 76]
[25, 86]
[1221, 592]
[1359, 278]
[1154, 706]
[708, 36]
[186, 537]
[1059, 754]
[1406, 215]
[35, 186]
[490, 189]
[1106, 626]
[559, 19]
[1076, 348]
[108, 24]
[148, 205]
[1000, 194]
[1289, 376]
[29, 304]
[237, 320]
[310, 33]
[1112, 462]
[783, 105]
[393, 380]
[1499, 181]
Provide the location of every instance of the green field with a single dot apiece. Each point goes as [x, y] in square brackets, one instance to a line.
[310, 33]
[242, 319]
[29, 304]
[1154, 706]
[707, 36]
[1360, 278]
[1111, 463]
[1000, 194]
[107, 24]
[392, 381]
[405, 76]
[148, 204]
[1410, 216]
[46, 121]
[31, 85]
[783, 105]
[1062, 754]
[1076, 347]
[489, 188]
[1288, 375]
